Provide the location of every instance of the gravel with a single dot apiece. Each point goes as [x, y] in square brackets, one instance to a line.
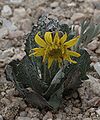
[16, 19]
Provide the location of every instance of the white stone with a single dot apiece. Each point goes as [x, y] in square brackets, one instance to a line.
[35, 118]
[23, 114]
[87, 119]
[8, 53]
[26, 25]
[3, 32]
[96, 16]
[9, 25]
[16, 1]
[23, 118]
[93, 45]
[54, 4]
[77, 16]
[33, 113]
[98, 111]
[98, 50]
[16, 34]
[47, 116]
[1, 118]
[97, 67]
[7, 11]
[94, 85]
[71, 4]
[19, 13]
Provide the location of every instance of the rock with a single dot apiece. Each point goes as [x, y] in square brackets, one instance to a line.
[1, 118]
[9, 25]
[5, 101]
[96, 4]
[98, 50]
[47, 116]
[23, 118]
[23, 114]
[94, 84]
[93, 45]
[61, 115]
[7, 53]
[98, 111]
[19, 13]
[72, 4]
[29, 11]
[6, 11]
[15, 34]
[75, 95]
[16, 2]
[20, 102]
[94, 59]
[80, 0]
[3, 32]
[97, 67]
[10, 92]
[5, 44]
[77, 16]
[96, 16]
[33, 112]
[54, 4]
[35, 118]
[76, 110]
[87, 119]
[26, 25]
[10, 111]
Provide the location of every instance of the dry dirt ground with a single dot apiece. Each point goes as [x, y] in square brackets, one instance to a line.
[16, 18]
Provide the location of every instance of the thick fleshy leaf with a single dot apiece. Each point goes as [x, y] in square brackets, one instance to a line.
[40, 41]
[56, 99]
[55, 83]
[27, 74]
[48, 37]
[71, 42]
[77, 73]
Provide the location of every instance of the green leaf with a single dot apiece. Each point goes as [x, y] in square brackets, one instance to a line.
[56, 99]
[36, 99]
[89, 30]
[26, 74]
[65, 28]
[55, 83]
[76, 73]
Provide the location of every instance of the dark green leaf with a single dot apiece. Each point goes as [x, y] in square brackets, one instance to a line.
[27, 75]
[56, 99]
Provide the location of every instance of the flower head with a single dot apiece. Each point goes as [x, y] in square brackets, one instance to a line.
[55, 48]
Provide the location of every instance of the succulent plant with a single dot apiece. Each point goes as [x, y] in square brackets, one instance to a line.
[43, 87]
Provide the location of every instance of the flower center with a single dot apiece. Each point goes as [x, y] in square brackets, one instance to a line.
[55, 53]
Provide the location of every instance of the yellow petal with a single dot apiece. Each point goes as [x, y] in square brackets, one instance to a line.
[73, 53]
[71, 42]
[40, 41]
[56, 38]
[63, 50]
[50, 61]
[63, 38]
[67, 57]
[38, 51]
[48, 37]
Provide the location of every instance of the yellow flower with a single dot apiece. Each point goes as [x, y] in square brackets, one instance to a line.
[55, 48]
